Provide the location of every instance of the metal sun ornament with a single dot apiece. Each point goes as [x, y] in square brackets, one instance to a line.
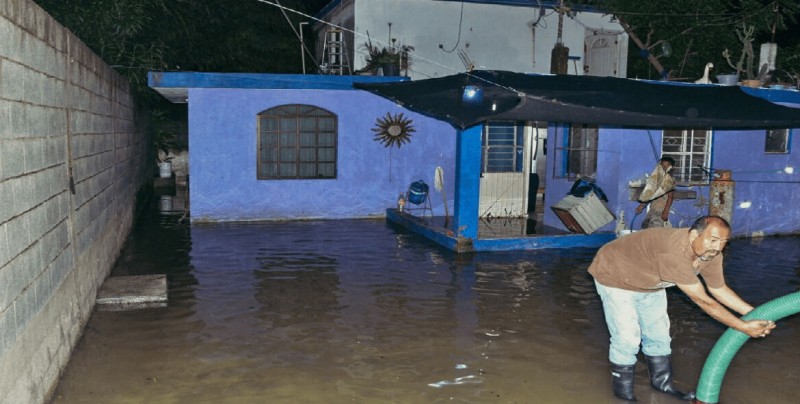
[393, 130]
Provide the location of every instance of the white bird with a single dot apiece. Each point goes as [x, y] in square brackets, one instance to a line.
[705, 79]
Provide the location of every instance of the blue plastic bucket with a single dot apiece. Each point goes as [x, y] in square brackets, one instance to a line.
[417, 192]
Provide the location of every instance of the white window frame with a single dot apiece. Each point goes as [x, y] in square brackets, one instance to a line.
[581, 153]
[502, 146]
[691, 149]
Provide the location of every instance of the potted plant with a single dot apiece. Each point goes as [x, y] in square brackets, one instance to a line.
[744, 65]
[392, 60]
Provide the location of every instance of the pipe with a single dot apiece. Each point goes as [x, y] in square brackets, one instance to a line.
[731, 340]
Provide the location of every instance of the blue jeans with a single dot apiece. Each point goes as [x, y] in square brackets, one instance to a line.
[633, 319]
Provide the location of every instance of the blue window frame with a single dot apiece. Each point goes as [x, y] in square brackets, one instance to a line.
[777, 141]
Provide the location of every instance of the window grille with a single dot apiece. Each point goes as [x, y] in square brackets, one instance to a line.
[297, 142]
[691, 149]
[503, 143]
[582, 151]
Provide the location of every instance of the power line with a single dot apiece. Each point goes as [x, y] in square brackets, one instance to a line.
[355, 33]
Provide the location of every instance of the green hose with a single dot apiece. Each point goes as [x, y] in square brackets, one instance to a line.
[731, 340]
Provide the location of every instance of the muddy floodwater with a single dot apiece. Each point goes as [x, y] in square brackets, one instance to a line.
[356, 311]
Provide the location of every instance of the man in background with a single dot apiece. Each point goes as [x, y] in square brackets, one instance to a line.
[658, 193]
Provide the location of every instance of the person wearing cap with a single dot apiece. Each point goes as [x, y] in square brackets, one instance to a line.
[631, 274]
[658, 194]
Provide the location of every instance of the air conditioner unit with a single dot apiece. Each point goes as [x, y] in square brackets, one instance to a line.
[583, 215]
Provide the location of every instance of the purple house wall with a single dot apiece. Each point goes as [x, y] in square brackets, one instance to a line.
[766, 185]
[223, 148]
[223, 152]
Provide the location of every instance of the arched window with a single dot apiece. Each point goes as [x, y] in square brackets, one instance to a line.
[296, 142]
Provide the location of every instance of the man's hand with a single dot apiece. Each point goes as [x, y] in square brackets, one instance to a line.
[758, 328]
[639, 208]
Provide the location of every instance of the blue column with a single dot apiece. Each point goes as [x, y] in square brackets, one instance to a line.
[467, 184]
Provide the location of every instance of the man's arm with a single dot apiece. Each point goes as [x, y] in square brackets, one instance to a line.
[730, 299]
[753, 328]
[670, 197]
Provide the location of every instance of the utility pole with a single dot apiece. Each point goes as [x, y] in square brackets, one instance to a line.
[302, 46]
[559, 57]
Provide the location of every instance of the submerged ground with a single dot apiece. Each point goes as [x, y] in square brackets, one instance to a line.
[357, 311]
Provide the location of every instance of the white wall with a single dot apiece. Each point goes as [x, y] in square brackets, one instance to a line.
[494, 37]
[64, 114]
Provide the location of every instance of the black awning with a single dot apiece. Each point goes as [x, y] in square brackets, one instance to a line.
[586, 99]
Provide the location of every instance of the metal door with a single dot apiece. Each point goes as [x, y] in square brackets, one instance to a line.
[504, 171]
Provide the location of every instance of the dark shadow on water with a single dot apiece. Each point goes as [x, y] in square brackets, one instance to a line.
[359, 311]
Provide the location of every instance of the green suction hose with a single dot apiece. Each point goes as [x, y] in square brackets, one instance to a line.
[731, 340]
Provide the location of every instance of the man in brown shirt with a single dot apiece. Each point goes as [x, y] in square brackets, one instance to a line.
[631, 274]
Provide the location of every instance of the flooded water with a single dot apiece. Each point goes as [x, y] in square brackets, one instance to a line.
[357, 311]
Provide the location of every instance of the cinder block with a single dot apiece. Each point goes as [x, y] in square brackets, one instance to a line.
[133, 292]
[13, 158]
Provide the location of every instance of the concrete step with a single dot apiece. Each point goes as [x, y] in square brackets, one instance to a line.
[133, 292]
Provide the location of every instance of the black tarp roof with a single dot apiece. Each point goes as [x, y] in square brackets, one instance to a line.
[604, 101]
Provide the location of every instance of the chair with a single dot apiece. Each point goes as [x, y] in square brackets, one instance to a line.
[417, 198]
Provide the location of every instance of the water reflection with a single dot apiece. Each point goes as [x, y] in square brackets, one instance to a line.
[357, 311]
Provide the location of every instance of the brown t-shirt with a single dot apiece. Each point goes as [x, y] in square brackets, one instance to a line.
[653, 259]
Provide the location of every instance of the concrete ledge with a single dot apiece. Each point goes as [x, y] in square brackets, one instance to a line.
[447, 239]
[133, 292]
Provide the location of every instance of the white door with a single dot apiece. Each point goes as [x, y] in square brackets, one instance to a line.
[601, 53]
[505, 169]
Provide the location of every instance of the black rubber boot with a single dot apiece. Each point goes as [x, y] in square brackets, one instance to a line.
[661, 377]
[622, 376]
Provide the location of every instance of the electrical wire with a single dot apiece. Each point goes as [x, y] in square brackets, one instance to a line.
[274, 3]
[296, 33]
[458, 39]
[355, 33]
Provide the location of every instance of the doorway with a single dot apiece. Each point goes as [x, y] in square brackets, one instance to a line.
[512, 174]
[602, 53]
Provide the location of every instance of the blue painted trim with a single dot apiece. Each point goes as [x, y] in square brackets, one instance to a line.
[775, 95]
[564, 148]
[713, 146]
[438, 235]
[467, 182]
[594, 240]
[445, 238]
[327, 9]
[262, 81]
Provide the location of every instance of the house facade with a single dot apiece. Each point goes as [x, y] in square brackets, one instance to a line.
[449, 37]
[283, 147]
[280, 147]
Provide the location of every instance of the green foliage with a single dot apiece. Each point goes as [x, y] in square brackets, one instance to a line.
[137, 36]
[699, 32]
[378, 56]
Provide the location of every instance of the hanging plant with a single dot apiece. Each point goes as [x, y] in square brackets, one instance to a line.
[393, 130]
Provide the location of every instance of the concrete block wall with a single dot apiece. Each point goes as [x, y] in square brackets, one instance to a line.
[72, 157]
